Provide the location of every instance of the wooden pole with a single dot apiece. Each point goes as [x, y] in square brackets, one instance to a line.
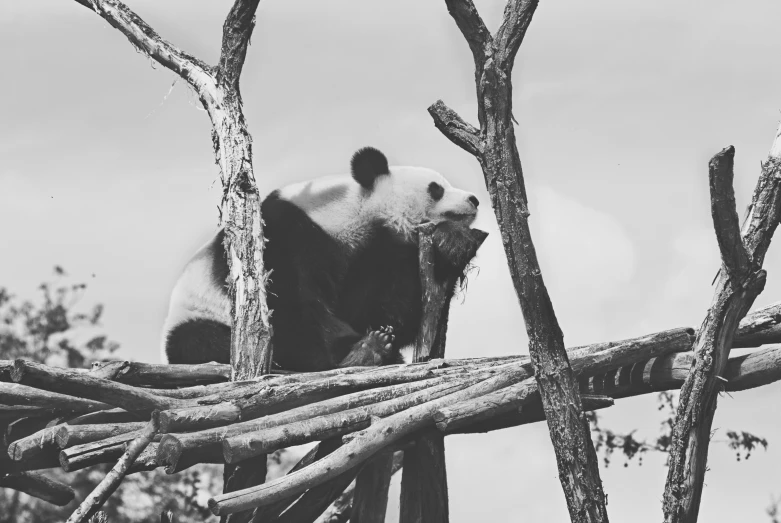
[424, 477]
[741, 279]
[494, 146]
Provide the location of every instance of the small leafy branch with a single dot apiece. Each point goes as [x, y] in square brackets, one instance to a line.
[38, 331]
[607, 442]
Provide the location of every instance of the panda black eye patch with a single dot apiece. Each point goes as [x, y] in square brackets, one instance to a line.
[436, 191]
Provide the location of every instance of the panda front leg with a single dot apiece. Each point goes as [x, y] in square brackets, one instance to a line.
[375, 349]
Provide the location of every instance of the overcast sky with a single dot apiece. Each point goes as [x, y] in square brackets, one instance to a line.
[107, 169]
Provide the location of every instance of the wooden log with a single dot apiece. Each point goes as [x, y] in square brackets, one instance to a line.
[760, 327]
[102, 451]
[584, 362]
[344, 509]
[378, 436]
[72, 435]
[38, 444]
[82, 385]
[371, 490]
[24, 427]
[83, 456]
[199, 418]
[424, 483]
[272, 511]
[507, 399]
[755, 369]
[108, 416]
[198, 392]
[39, 486]
[244, 446]
[531, 412]
[425, 497]
[161, 376]
[317, 499]
[189, 446]
[16, 394]
[109, 484]
[10, 413]
[743, 372]
[251, 403]
[44, 461]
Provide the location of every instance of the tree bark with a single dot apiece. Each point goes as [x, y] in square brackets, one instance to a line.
[740, 281]
[494, 146]
[424, 481]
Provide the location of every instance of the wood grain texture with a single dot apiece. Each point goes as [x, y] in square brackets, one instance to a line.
[740, 281]
[497, 153]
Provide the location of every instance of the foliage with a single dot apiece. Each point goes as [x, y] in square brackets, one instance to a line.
[744, 441]
[773, 511]
[51, 330]
[607, 442]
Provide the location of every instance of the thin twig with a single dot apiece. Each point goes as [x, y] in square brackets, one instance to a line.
[105, 488]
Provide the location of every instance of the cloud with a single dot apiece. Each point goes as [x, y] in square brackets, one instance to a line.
[585, 254]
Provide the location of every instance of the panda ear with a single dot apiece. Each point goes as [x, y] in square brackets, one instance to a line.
[367, 164]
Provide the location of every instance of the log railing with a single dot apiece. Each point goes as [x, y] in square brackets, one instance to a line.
[371, 410]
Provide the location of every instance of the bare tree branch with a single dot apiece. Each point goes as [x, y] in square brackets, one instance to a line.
[236, 33]
[725, 214]
[517, 17]
[501, 165]
[472, 27]
[197, 73]
[218, 89]
[39, 486]
[735, 292]
[456, 129]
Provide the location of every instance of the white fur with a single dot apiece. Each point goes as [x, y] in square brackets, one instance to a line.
[401, 200]
[346, 211]
[195, 296]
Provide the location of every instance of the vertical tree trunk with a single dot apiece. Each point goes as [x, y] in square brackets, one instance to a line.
[494, 146]
[424, 477]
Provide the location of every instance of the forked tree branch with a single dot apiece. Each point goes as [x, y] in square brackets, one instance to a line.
[472, 27]
[461, 133]
[218, 90]
[509, 37]
[725, 215]
[494, 147]
[236, 33]
[736, 290]
[196, 72]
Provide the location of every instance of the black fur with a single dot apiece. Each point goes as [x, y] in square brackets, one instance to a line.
[331, 307]
[367, 164]
[199, 341]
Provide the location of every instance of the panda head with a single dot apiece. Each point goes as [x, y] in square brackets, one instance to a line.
[405, 197]
[400, 198]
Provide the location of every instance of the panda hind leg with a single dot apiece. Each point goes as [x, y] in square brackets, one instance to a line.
[375, 349]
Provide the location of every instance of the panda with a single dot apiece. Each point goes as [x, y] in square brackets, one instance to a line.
[344, 285]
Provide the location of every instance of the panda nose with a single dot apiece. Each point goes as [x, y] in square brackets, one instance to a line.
[474, 201]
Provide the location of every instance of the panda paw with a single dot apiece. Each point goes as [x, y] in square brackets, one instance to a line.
[374, 349]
